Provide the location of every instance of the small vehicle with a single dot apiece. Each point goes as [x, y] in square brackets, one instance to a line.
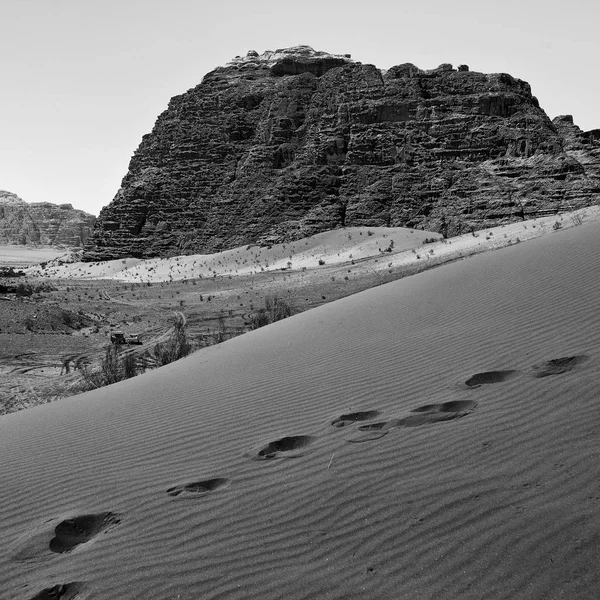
[118, 337]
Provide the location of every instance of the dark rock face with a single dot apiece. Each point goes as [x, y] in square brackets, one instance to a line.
[283, 145]
[42, 223]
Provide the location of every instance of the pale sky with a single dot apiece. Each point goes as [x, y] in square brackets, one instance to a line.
[82, 81]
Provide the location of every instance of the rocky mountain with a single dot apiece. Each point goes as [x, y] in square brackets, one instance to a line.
[285, 144]
[42, 223]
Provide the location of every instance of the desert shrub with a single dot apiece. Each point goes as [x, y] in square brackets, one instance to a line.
[259, 319]
[68, 318]
[20, 398]
[24, 289]
[176, 346]
[220, 334]
[115, 366]
[10, 272]
[130, 367]
[275, 309]
[112, 368]
[576, 219]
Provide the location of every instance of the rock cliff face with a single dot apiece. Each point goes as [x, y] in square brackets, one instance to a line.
[42, 223]
[283, 145]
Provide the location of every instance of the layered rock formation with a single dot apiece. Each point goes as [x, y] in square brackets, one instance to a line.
[283, 145]
[42, 223]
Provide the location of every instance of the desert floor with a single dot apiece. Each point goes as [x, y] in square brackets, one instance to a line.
[433, 437]
[48, 338]
[23, 256]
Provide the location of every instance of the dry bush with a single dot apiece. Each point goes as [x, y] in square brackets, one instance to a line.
[177, 346]
[275, 309]
[576, 219]
[20, 399]
[115, 366]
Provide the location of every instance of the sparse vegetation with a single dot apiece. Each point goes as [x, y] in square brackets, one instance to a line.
[119, 363]
[116, 365]
[26, 288]
[275, 309]
[80, 314]
[177, 345]
[10, 272]
[389, 248]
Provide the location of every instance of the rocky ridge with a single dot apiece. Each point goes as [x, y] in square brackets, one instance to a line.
[278, 146]
[42, 223]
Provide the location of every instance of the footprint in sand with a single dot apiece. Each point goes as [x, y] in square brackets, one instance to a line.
[61, 536]
[423, 415]
[291, 446]
[379, 426]
[556, 366]
[64, 591]
[347, 419]
[374, 431]
[436, 413]
[489, 377]
[72, 532]
[198, 488]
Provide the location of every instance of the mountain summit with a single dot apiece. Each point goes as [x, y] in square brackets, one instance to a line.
[277, 146]
[42, 222]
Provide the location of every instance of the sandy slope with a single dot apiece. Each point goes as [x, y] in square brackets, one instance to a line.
[222, 475]
[331, 247]
[381, 248]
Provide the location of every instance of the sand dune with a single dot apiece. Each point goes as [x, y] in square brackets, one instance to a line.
[331, 247]
[376, 248]
[432, 438]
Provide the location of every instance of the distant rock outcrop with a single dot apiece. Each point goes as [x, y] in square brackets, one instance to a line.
[282, 145]
[42, 223]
